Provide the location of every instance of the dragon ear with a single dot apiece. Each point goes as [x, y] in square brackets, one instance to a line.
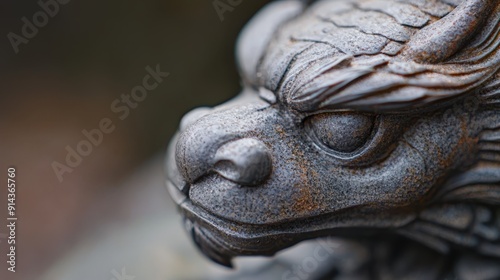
[490, 94]
[481, 182]
[257, 34]
[442, 39]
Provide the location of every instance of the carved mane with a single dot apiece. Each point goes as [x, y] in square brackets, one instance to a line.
[394, 70]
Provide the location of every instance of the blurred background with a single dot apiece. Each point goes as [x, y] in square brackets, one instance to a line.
[110, 217]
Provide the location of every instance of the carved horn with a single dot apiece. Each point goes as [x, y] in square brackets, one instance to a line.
[445, 37]
[257, 34]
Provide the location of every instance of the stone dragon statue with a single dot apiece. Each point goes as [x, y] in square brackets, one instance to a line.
[376, 121]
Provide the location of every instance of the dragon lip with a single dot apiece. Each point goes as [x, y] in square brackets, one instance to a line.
[204, 240]
[201, 217]
[205, 228]
[221, 240]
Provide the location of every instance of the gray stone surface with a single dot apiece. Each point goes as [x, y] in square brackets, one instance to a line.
[373, 120]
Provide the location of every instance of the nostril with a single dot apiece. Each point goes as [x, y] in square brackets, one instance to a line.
[228, 170]
[245, 161]
[193, 116]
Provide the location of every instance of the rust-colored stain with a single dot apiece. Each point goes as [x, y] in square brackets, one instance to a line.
[304, 203]
[352, 87]
[305, 200]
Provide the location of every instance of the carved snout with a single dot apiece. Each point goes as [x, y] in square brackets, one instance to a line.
[210, 145]
[245, 161]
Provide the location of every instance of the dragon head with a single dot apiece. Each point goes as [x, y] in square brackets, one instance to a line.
[357, 117]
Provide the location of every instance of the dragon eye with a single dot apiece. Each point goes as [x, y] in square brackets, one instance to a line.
[343, 133]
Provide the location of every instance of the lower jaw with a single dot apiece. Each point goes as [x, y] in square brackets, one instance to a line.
[231, 238]
[221, 240]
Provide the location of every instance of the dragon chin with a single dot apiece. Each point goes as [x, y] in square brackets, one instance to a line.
[210, 244]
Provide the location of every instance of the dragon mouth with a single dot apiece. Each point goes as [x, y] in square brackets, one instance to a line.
[221, 240]
[210, 245]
